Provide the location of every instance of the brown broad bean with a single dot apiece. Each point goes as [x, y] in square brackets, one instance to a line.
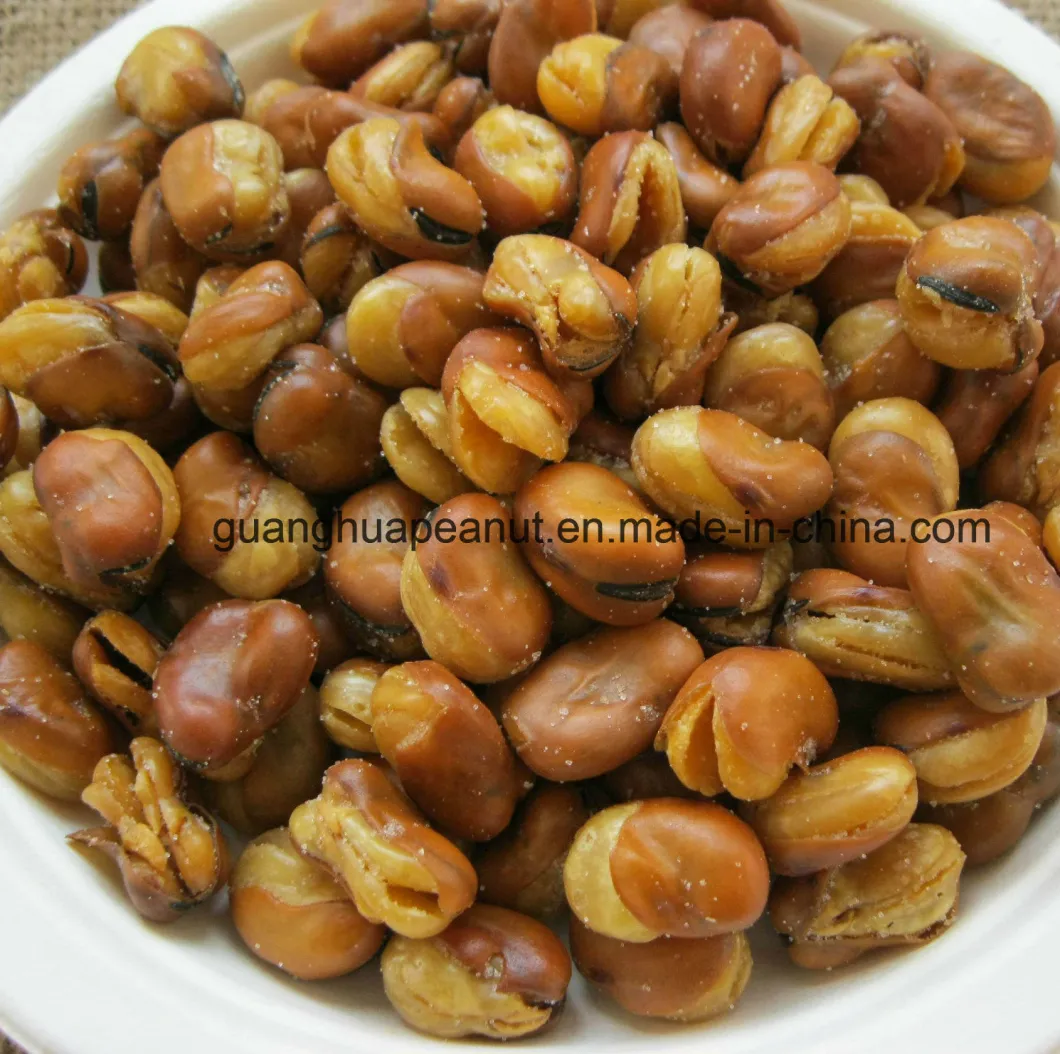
[868, 266]
[232, 674]
[770, 13]
[675, 978]
[222, 184]
[307, 120]
[400, 195]
[264, 95]
[581, 312]
[680, 332]
[28, 543]
[40, 259]
[910, 56]
[603, 573]
[713, 468]
[596, 84]
[416, 440]
[172, 855]
[317, 426]
[290, 912]
[836, 812]
[468, 27]
[907, 144]
[731, 71]
[806, 121]
[994, 600]
[904, 893]
[372, 534]
[894, 465]
[338, 42]
[51, 736]
[705, 188]
[523, 868]
[478, 608]
[115, 658]
[335, 259]
[396, 869]
[728, 598]
[506, 414]
[286, 771]
[308, 192]
[447, 750]
[863, 632]
[408, 78]
[774, 378]
[631, 201]
[155, 310]
[84, 362]
[231, 343]
[461, 103]
[101, 183]
[782, 228]
[403, 325]
[346, 703]
[744, 719]
[176, 78]
[28, 612]
[526, 33]
[491, 973]
[966, 292]
[112, 505]
[240, 525]
[868, 355]
[961, 753]
[1025, 465]
[627, 875]
[668, 30]
[211, 285]
[1007, 129]
[597, 702]
[975, 405]
[522, 168]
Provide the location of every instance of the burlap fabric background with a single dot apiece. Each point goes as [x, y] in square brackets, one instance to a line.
[36, 35]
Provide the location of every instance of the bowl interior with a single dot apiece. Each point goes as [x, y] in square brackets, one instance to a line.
[78, 968]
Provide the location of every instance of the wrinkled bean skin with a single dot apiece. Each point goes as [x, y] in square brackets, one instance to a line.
[598, 702]
[850, 628]
[608, 576]
[363, 569]
[675, 978]
[744, 719]
[290, 912]
[51, 736]
[625, 875]
[523, 868]
[491, 973]
[1000, 663]
[397, 870]
[478, 608]
[447, 749]
[904, 893]
[39, 259]
[232, 673]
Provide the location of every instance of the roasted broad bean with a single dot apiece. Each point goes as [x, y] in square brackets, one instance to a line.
[628, 872]
[408, 78]
[290, 912]
[337, 261]
[29, 612]
[491, 973]
[705, 188]
[40, 258]
[744, 719]
[598, 702]
[397, 869]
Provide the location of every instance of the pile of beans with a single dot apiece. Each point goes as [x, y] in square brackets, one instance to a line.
[630, 272]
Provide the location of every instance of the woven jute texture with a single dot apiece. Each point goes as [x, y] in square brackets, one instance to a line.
[36, 35]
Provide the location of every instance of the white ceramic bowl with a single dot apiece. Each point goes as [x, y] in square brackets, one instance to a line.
[79, 970]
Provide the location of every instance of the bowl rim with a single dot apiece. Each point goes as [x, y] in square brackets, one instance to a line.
[52, 967]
